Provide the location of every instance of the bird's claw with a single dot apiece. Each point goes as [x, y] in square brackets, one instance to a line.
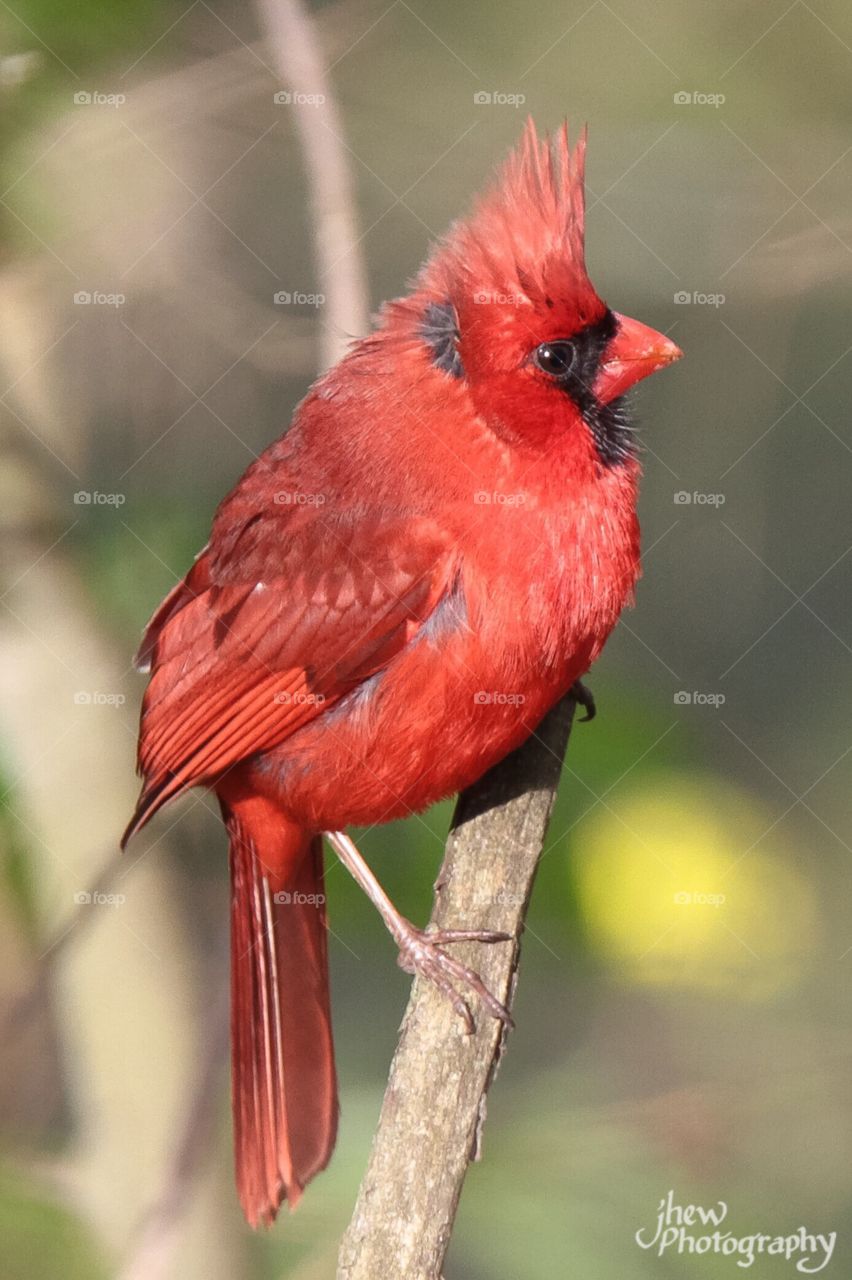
[423, 952]
[583, 696]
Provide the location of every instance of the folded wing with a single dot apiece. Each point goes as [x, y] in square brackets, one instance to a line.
[240, 662]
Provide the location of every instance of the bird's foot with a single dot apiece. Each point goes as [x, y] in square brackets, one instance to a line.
[583, 696]
[421, 951]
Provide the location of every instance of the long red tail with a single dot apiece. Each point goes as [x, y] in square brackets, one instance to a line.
[283, 1085]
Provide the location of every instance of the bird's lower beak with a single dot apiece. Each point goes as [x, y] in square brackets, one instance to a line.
[634, 352]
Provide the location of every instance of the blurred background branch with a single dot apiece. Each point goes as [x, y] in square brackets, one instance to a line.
[294, 46]
[157, 1240]
[149, 984]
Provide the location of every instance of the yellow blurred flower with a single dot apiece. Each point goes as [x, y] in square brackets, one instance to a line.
[687, 882]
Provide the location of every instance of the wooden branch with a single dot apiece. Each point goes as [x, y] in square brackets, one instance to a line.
[434, 1106]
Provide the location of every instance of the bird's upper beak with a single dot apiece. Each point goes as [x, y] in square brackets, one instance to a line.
[634, 352]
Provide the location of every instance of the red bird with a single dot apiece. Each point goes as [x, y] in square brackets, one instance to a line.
[450, 517]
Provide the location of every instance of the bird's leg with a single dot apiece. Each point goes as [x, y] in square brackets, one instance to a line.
[583, 696]
[421, 951]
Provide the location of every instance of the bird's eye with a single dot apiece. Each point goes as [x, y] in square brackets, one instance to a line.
[555, 358]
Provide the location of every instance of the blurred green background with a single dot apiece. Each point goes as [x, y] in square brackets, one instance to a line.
[684, 1005]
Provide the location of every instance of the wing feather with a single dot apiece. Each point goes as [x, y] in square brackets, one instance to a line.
[239, 666]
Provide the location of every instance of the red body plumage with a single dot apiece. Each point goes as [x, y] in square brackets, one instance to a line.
[392, 597]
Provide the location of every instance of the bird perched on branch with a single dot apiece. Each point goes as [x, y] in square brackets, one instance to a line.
[392, 597]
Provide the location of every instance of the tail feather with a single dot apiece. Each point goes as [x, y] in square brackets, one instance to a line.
[284, 1090]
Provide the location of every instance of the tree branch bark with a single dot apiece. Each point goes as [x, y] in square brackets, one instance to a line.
[434, 1107]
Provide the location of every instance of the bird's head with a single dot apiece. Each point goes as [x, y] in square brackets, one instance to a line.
[505, 304]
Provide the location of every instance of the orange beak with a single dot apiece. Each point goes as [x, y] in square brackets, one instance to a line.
[634, 352]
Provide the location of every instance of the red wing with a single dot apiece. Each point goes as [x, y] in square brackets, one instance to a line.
[238, 666]
[194, 584]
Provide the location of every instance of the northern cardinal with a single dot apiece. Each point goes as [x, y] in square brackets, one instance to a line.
[392, 597]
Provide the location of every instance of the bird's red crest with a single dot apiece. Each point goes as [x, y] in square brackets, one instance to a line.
[523, 243]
